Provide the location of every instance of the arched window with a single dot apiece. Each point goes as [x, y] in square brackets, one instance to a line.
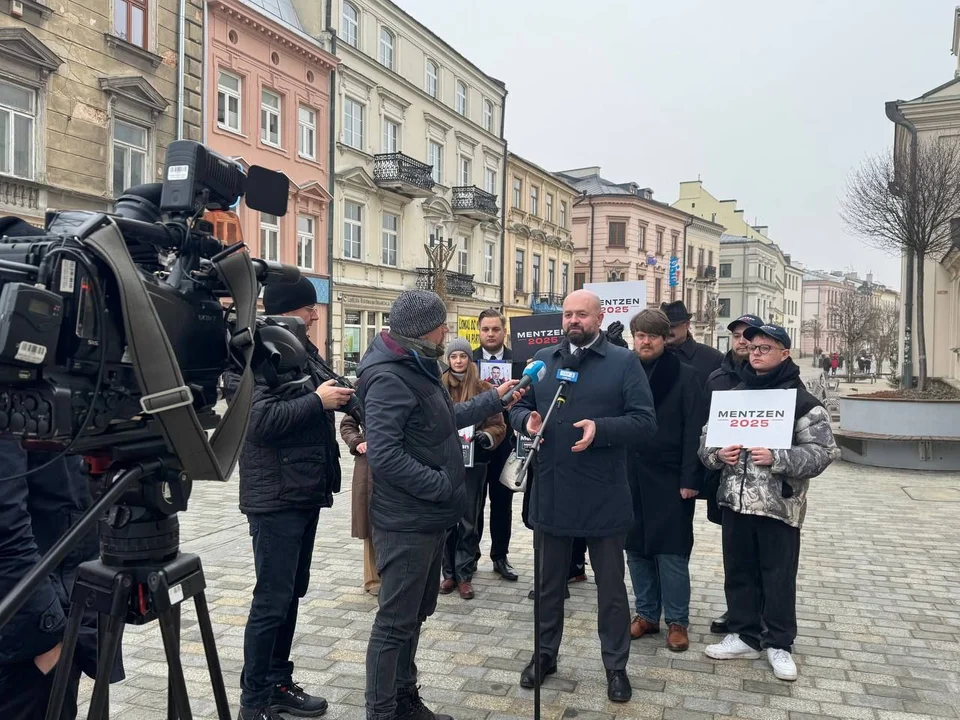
[388, 44]
[351, 25]
[432, 79]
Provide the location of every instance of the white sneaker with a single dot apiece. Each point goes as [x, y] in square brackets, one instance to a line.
[782, 663]
[731, 648]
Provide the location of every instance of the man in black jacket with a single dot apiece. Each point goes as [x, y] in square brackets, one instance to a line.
[726, 377]
[36, 510]
[289, 469]
[703, 358]
[582, 488]
[493, 331]
[416, 461]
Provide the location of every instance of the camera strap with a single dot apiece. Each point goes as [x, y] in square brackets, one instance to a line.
[164, 394]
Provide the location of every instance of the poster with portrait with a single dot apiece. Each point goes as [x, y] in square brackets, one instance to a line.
[496, 372]
[467, 444]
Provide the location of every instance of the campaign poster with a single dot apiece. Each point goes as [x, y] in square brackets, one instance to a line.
[468, 327]
[533, 333]
[752, 418]
[496, 372]
[620, 301]
[466, 445]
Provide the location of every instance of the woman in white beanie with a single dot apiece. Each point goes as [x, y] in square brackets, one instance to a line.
[462, 546]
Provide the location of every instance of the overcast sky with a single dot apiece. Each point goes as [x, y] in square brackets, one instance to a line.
[771, 103]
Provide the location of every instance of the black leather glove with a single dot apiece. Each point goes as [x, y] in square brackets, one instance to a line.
[483, 439]
[615, 334]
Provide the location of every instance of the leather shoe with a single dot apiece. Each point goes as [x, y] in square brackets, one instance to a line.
[528, 678]
[640, 627]
[466, 590]
[618, 686]
[503, 568]
[677, 639]
[447, 586]
[719, 626]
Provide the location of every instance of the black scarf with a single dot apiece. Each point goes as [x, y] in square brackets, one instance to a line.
[783, 377]
[662, 374]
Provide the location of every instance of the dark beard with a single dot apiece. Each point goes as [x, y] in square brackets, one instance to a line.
[579, 337]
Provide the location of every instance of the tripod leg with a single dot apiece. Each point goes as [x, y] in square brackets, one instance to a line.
[107, 656]
[213, 661]
[171, 646]
[61, 678]
[171, 701]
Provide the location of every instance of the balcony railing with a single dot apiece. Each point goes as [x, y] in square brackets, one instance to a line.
[403, 174]
[706, 273]
[547, 303]
[454, 283]
[475, 203]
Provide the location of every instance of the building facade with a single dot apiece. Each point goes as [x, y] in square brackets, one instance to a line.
[751, 281]
[621, 233]
[538, 244]
[696, 200]
[821, 293]
[90, 97]
[793, 304]
[269, 94]
[700, 277]
[419, 158]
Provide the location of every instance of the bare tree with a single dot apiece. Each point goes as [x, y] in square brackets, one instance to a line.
[885, 337]
[908, 212]
[854, 319]
[813, 329]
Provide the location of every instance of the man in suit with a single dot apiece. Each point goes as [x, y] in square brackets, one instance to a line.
[493, 333]
[703, 358]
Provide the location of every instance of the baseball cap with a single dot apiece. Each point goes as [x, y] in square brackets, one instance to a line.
[772, 331]
[751, 320]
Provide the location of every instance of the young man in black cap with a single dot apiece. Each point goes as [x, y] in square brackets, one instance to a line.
[289, 469]
[703, 358]
[763, 494]
[726, 377]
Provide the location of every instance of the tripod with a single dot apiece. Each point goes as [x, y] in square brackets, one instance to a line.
[141, 576]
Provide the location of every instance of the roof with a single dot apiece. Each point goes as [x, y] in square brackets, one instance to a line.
[592, 184]
[281, 10]
[558, 178]
[739, 239]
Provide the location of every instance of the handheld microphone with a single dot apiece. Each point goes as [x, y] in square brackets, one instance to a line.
[569, 371]
[533, 373]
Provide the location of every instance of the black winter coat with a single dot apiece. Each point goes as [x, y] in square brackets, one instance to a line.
[412, 444]
[587, 494]
[663, 464]
[35, 512]
[290, 457]
[703, 358]
[727, 377]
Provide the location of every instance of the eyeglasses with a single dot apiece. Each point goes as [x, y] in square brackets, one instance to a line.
[311, 308]
[762, 349]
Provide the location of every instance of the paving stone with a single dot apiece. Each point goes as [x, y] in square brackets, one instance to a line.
[767, 688]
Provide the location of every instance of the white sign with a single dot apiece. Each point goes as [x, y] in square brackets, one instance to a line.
[620, 301]
[466, 445]
[752, 418]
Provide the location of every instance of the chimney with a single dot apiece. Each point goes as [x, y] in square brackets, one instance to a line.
[869, 278]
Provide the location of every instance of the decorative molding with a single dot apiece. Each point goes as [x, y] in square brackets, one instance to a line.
[388, 95]
[466, 139]
[19, 44]
[357, 177]
[136, 90]
[432, 119]
[121, 46]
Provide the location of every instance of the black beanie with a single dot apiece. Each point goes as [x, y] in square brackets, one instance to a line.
[282, 298]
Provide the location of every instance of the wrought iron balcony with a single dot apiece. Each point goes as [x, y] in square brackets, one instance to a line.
[547, 303]
[403, 175]
[452, 283]
[475, 203]
[706, 273]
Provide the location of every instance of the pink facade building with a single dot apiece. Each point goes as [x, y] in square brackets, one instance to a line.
[621, 233]
[268, 90]
[821, 293]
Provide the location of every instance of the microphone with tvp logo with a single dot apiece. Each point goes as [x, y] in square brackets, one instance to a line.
[533, 373]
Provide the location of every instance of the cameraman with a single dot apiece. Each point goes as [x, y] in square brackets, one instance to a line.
[35, 511]
[289, 469]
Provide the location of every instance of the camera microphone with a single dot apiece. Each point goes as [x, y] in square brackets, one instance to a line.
[533, 373]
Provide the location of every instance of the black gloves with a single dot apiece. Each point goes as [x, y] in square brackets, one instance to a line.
[615, 334]
[483, 439]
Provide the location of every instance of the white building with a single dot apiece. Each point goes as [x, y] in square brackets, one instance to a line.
[419, 153]
[793, 303]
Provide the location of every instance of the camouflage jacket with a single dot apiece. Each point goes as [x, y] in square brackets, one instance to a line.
[780, 490]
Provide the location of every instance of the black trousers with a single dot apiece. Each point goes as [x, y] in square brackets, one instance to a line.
[613, 612]
[760, 560]
[282, 553]
[462, 545]
[409, 568]
[25, 692]
[501, 506]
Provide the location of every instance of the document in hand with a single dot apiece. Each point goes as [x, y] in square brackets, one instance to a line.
[752, 418]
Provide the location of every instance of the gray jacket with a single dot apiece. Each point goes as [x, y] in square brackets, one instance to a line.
[780, 490]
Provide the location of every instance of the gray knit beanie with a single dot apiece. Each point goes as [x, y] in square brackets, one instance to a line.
[416, 312]
[459, 344]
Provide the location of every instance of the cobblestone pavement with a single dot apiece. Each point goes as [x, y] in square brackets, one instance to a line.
[878, 606]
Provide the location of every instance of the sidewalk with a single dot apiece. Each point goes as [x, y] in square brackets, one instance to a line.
[878, 606]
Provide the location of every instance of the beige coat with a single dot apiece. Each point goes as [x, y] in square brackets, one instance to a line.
[362, 480]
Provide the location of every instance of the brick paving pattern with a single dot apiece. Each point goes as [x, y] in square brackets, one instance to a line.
[878, 607]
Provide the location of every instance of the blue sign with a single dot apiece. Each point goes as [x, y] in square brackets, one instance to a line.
[674, 271]
[570, 376]
[651, 260]
[322, 286]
